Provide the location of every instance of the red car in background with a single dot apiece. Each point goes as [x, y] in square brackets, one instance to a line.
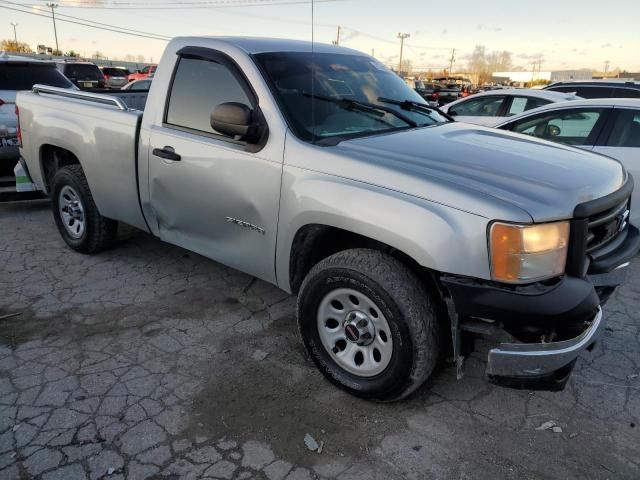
[147, 71]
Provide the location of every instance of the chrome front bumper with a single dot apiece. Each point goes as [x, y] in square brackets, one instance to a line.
[531, 360]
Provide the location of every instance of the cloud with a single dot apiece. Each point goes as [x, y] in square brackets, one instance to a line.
[606, 45]
[488, 28]
[444, 31]
[530, 56]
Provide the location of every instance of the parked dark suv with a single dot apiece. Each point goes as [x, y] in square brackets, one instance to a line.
[19, 73]
[84, 75]
[599, 88]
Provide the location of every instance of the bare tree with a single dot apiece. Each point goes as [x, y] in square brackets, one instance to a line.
[477, 60]
[485, 63]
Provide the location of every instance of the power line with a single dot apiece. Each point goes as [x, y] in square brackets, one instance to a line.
[157, 37]
[94, 22]
[187, 5]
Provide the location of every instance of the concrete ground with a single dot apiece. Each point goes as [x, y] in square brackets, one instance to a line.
[148, 361]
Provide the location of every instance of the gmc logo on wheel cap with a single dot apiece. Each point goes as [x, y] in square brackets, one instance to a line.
[352, 333]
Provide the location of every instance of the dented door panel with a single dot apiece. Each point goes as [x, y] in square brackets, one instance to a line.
[218, 200]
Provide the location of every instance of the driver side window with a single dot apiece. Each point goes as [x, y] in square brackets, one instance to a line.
[488, 106]
[570, 126]
[199, 86]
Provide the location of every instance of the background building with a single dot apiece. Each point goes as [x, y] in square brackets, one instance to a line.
[549, 76]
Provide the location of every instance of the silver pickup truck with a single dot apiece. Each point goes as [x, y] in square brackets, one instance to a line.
[406, 236]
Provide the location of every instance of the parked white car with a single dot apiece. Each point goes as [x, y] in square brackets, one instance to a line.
[143, 84]
[488, 108]
[610, 126]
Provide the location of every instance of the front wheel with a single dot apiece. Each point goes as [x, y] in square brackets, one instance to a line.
[76, 215]
[368, 324]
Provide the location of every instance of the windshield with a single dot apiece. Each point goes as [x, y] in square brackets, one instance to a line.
[347, 80]
[23, 76]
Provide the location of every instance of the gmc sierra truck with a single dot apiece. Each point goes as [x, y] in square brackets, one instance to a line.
[406, 236]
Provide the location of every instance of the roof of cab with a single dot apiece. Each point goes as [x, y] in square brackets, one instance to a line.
[253, 45]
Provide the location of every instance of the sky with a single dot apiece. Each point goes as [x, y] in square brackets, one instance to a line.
[570, 34]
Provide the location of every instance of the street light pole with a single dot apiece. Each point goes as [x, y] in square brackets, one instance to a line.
[15, 35]
[52, 6]
[402, 36]
[451, 60]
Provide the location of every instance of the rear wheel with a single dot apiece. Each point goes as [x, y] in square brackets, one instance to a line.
[368, 324]
[76, 215]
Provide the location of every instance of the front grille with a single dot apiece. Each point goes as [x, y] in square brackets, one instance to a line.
[605, 226]
[598, 228]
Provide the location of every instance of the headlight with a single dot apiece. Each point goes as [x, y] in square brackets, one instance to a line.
[526, 253]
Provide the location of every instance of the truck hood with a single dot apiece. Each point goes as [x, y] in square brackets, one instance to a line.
[546, 180]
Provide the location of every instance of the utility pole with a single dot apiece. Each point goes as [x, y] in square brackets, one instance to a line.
[451, 60]
[52, 6]
[373, 52]
[338, 36]
[402, 36]
[606, 66]
[15, 35]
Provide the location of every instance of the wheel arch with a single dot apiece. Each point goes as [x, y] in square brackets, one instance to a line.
[51, 159]
[314, 242]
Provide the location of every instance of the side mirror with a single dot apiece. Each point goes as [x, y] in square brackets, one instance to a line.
[453, 113]
[236, 120]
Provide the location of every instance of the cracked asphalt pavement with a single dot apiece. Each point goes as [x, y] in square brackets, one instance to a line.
[148, 361]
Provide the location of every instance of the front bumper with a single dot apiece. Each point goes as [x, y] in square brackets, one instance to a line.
[535, 332]
[539, 360]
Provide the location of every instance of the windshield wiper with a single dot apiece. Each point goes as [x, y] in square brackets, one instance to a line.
[356, 105]
[412, 106]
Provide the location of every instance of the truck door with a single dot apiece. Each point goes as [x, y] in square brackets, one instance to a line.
[210, 193]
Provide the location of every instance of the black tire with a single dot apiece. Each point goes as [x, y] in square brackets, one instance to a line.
[403, 300]
[99, 232]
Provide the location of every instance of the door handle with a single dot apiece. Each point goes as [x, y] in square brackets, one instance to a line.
[167, 152]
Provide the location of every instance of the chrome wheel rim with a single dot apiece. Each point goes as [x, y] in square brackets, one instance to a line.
[71, 211]
[354, 332]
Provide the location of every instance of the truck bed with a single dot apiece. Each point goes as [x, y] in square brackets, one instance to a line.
[100, 130]
[134, 99]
